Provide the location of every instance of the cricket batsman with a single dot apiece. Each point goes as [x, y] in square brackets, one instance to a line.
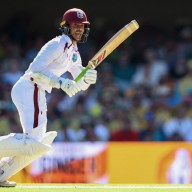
[56, 57]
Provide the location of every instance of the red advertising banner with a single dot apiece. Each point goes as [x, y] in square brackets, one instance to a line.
[72, 163]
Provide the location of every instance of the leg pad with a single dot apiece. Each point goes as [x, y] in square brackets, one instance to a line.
[19, 145]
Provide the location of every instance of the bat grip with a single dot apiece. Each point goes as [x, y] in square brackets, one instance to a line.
[81, 74]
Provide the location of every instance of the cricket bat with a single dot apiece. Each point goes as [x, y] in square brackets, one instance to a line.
[110, 46]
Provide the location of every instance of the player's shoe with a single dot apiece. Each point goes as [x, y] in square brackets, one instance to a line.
[8, 184]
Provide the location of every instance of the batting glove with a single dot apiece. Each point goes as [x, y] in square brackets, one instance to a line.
[90, 76]
[69, 86]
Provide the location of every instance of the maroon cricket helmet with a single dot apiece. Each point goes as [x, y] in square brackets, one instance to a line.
[75, 16]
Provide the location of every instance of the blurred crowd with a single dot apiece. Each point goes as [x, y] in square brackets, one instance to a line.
[143, 92]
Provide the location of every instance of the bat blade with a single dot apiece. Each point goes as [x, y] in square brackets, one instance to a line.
[110, 46]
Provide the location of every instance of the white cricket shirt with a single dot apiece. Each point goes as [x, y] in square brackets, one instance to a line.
[57, 56]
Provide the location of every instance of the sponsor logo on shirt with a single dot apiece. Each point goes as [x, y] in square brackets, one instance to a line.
[74, 57]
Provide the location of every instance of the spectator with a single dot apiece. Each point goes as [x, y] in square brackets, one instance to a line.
[152, 131]
[184, 85]
[178, 68]
[179, 127]
[124, 70]
[152, 69]
[125, 132]
[101, 130]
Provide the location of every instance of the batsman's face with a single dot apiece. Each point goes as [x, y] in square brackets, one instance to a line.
[77, 30]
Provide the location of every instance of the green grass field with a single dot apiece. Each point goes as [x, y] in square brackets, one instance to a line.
[96, 188]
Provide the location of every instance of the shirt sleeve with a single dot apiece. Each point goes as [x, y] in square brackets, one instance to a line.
[48, 53]
[75, 70]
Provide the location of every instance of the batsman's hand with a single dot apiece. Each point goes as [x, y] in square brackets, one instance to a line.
[90, 76]
[69, 86]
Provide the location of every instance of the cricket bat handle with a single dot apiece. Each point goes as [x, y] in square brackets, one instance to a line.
[82, 73]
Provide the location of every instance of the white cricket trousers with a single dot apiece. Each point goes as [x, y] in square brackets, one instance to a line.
[31, 105]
